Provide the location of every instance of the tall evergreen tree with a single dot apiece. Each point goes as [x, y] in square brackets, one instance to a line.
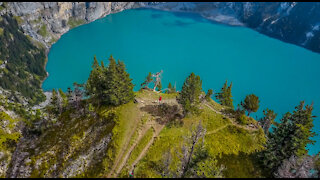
[190, 93]
[110, 85]
[229, 100]
[125, 82]
[225, 96]
[289, 137]
[96, 82]
[251, 103]
[113, 84]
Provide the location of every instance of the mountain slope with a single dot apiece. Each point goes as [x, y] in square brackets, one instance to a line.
[82, 144]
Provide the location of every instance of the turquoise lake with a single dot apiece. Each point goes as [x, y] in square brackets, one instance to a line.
[280, 74]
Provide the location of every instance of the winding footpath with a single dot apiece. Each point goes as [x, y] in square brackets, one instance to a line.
[123, 149]
[232, 120]
[125, 154]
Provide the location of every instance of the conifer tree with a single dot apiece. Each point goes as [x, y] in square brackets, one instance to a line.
[267, 120]
[289, 137]
[159, 86]
[125, 84]
[190, 93]
[170, 89]
[64, 98]
[229, 101]
[209, 94]
[96, 82]
[147, 81]
[110, 85]
[225, 96]
[251, 103]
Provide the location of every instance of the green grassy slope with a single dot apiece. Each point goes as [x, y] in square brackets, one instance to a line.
[76, 144]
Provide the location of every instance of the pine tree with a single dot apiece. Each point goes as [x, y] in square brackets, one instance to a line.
[190, 93]
[229, 101]
[126, 86]
[221, 96]
[112, 90]
[225, 96]
[147, 81]
[170, 89]
[289, 137]
[209, 94]
[96, 82]
[110, 85]
[251, 103]
[267, 120]
[159, 86]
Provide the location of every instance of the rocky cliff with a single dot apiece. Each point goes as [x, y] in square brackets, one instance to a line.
[47, 21]
[292, 22]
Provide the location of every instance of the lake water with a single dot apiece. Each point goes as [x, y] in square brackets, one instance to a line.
[280, 74]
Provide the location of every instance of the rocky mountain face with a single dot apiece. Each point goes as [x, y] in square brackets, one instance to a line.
[47, 21]
[292, 22]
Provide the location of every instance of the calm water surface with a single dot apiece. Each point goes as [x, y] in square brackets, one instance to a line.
[280, 74]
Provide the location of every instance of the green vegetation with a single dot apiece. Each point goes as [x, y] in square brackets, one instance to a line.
[142, 143]
[251, 103]
[1, 31]
[147, 81]
[25, 68]
[225, 97]
[128, 118]
[110, 85]
[209, 94]
[170, 89]
[267, 120]
[228, 140]
[289, 137]
[75, 22]
[43, 31]
[159, 86]
[190, 93]
[241, 165]
[18, 19]
[93, 130]
[8, 136]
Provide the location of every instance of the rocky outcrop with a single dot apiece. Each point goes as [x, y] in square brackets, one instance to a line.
[47, 21]
[292, 22]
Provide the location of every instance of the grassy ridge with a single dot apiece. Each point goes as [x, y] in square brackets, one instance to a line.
[229, 140]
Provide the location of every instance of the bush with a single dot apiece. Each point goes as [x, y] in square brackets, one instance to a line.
[242, 119]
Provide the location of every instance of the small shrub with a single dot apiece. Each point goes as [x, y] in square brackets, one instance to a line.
[242, 119]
